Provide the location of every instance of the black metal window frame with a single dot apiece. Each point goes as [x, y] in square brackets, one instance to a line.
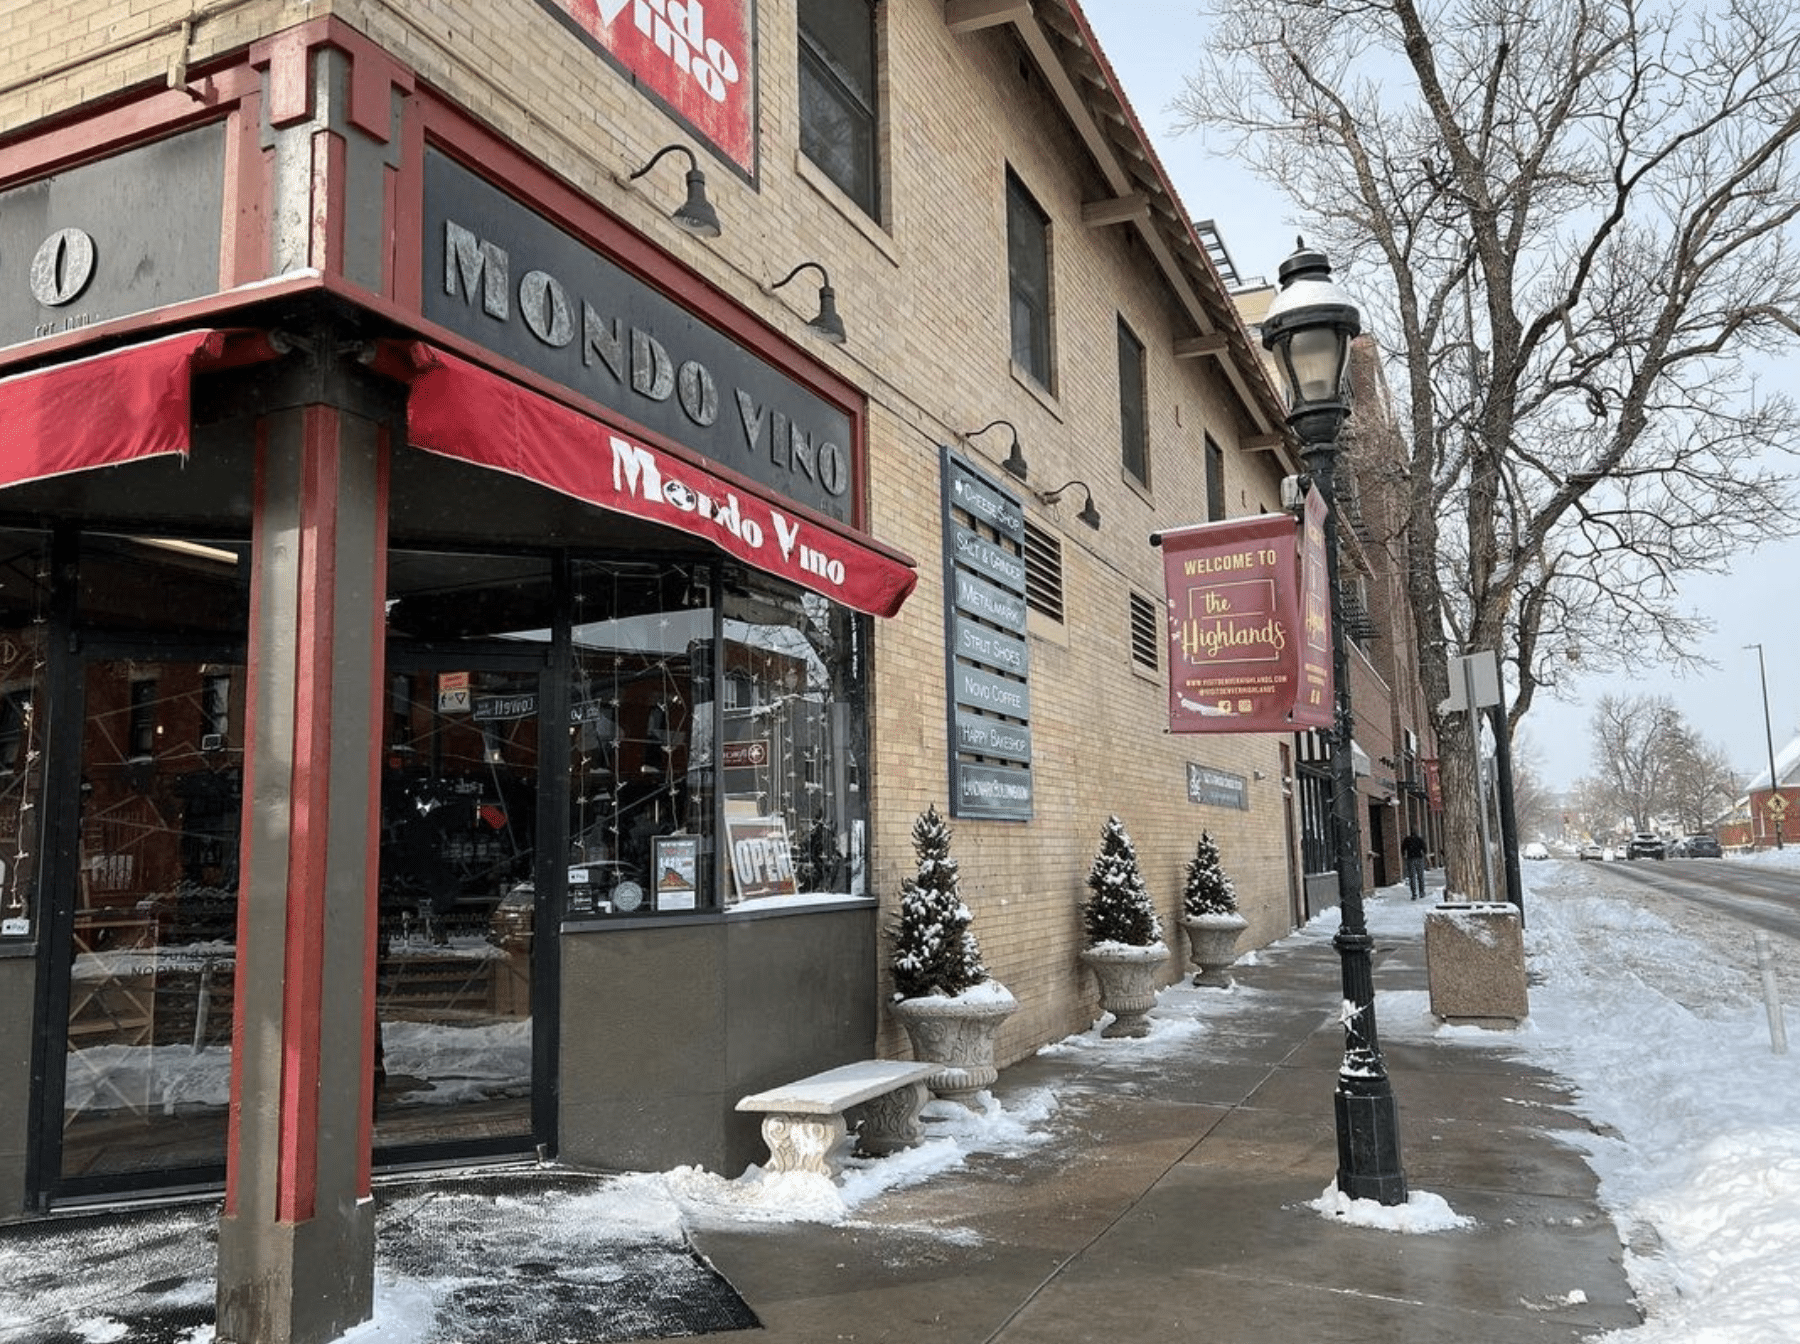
[1028, 282]
[840, 104]
[1134, 407]
[1215, 480]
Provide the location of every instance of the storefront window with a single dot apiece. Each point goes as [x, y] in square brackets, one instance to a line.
[792, 739]
[24, 604]
[648, 793]
[640, 716]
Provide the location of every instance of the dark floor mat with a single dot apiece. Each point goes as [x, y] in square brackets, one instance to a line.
[508, 1258]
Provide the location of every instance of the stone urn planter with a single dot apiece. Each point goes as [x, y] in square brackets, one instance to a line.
[1127, 976]
[957, 1032]
[1212, 946]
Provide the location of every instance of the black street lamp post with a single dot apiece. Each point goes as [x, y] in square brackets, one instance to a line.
[1309, 328]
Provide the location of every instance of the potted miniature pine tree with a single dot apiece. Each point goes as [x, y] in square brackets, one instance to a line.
[1209, 913]
[1124, 949]
[951, 1008]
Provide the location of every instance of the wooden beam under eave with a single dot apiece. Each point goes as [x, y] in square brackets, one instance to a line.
[1192, 347]
[971, 16]
[1134, 206]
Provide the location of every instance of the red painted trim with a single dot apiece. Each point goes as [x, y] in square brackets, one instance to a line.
[248, 895]
[372, 824]
[243, 239]
[289, 58]
[409, 209]
[329, 182]
[212, 310]
[101, 132]
[296, 1185]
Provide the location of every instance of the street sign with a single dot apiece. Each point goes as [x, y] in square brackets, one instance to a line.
[1481, 670]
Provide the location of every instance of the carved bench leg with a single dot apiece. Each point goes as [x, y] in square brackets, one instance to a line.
[891, 1121]
[802, 1142]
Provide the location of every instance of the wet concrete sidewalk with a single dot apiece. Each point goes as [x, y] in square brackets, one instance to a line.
[1172, 1203]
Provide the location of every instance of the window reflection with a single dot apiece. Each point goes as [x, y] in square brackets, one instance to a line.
[24, 603]
[640, 709]
[792, 739]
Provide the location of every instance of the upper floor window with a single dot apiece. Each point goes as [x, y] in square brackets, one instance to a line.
[1134, 419]
[1028, 280]
[1215, 480]
[838, 102]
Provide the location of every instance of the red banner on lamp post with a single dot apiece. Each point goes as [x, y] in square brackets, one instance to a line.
[1315, 706]
[1235, 638]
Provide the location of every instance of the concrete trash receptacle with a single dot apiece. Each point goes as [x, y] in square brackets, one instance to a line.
[1475, 961]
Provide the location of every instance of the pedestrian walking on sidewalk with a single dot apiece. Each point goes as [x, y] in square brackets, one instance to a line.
[1412, 854]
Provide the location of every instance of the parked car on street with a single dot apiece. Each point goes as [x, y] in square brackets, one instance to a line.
[1646, 845]
[1534, 850]
[1698, 847]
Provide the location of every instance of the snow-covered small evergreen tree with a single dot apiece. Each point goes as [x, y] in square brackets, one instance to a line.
[935, 951]
[1118, 908]
[1208, 891]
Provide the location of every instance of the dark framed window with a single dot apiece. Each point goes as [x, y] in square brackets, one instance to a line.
[1215, 480]
[838, 96]
[1028, 280]
[1134, 416]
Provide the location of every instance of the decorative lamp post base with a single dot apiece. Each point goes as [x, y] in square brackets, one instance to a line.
[1368, 1135]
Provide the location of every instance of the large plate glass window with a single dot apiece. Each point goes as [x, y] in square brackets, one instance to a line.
[463, 735]
[640, 728]
[146, 963]
[793, 742]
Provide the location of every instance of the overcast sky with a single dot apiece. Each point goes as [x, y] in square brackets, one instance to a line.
[1152, 45]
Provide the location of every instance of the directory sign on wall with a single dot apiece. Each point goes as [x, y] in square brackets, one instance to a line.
[986, 654]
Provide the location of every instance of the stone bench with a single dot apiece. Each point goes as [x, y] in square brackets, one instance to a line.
[803, 1121]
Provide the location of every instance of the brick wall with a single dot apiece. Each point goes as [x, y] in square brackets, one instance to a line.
[923, 292]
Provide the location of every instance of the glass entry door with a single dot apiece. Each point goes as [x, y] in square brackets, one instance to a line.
[151, 957]
[458, 908]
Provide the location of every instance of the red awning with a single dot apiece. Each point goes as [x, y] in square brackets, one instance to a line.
[103, 410]
[461, 410]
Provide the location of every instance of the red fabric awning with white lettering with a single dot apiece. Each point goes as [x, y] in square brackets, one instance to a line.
[106, 409]
[461, 410]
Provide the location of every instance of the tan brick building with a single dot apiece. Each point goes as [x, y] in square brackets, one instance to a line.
[468, 625]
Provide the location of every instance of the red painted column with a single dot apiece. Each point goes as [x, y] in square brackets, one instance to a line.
[296, 1243]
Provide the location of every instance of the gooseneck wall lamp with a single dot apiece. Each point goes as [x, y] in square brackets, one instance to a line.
[1015, 459]
[827, 323]
[696, 213]
[1308, 329]
[1089, 514]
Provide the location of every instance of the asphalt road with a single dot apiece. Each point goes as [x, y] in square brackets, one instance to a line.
[1759, 897]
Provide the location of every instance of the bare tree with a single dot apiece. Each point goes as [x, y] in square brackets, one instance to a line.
[1534, 806]
[1637, 744]
[1703, 785]
[1571, 225]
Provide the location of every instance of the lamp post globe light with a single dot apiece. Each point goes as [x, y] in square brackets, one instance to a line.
[1308, 329]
